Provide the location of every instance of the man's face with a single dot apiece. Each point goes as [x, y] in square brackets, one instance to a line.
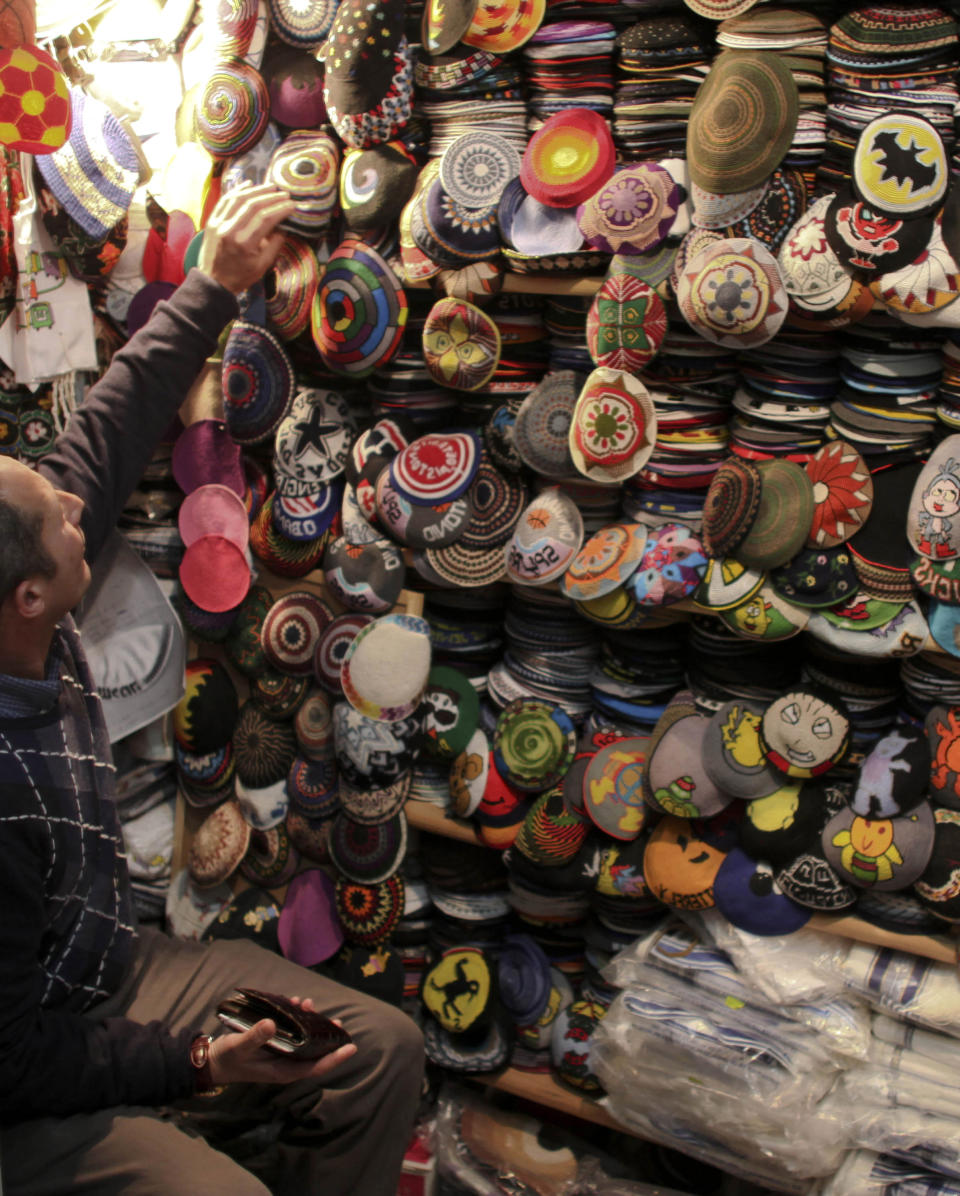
[61, 534]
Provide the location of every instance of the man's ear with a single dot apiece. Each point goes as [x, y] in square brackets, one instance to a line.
[29, 598]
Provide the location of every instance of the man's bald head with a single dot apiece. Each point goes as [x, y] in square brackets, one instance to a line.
[22, 514]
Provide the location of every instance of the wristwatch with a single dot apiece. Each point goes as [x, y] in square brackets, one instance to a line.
[200, 1061]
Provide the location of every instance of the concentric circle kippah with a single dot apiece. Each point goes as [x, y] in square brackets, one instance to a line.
[312, 787]
[306, 165]
[368, 853]
[234, 110]
[291, 285]
[292, 630]
[231, 28]
[731, 506]
[533, 744]
[302, 22]
[498, 501]
[568, 158]
[368, 913]
[313, 726]
[280, 694]
[289, 558]
[333, 645]
[263, 748]
[360, 310]
[257, 382]
[742, 121]
[551, 834]
[504, 27]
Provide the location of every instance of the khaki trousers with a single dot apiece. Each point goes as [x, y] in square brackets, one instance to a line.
[343, 1136]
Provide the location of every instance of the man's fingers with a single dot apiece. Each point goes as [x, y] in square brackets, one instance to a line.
[253, 208]
[261, 1032]
[245, 192]
[320, 1067]
[253, 225]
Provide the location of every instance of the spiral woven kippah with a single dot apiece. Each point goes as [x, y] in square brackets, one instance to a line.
[234, 110]
[291, 286]
[231, 28]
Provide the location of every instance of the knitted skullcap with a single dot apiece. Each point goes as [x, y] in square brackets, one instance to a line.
[234, 110]
[264, 749]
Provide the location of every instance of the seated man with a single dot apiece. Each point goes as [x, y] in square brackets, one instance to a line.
[101, 1025]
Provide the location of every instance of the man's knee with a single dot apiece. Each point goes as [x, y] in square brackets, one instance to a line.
[403, 1042]
[166, 1160]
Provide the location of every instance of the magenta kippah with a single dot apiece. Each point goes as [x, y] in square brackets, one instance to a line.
[205, 452]
[215, 574]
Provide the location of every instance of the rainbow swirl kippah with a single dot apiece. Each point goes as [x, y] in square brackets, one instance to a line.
[233, 111]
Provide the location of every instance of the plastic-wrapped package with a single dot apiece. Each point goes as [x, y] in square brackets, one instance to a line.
[920, 991]
[884, 1087]
[752, 1085]
[657, 1126]
[594, 1181]
[925, 1042]
[865, 1173]
[905, 1100]
[801, 1141]
[915, 1065]
[755, 1049]
[803, 967]
[676, 948]
[921, 1139]
[490, 1152]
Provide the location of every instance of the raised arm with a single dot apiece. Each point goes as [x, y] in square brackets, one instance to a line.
[110, 439]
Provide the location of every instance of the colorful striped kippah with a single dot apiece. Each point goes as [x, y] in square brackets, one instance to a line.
[95, 174]
[233, 111]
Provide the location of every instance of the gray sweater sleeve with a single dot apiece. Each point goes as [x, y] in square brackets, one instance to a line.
[113, 434]
[55, 1061]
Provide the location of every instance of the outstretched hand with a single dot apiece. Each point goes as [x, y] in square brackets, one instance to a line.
[240, 1057]
[241, 239]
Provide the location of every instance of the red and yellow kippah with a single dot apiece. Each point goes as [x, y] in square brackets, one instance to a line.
[568, 158]
[35, 114]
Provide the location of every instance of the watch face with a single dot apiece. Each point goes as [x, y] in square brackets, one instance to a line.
[200, 1051]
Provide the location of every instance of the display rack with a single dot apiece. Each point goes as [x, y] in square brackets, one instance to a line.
[186, 818]
[427, 817]
[546, 1090]
[542, 1089]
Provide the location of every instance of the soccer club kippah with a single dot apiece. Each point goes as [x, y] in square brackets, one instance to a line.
[35, 111]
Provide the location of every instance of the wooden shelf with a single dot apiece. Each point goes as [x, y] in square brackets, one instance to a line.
[538, 284]
[944, 949]
[546, 1090]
